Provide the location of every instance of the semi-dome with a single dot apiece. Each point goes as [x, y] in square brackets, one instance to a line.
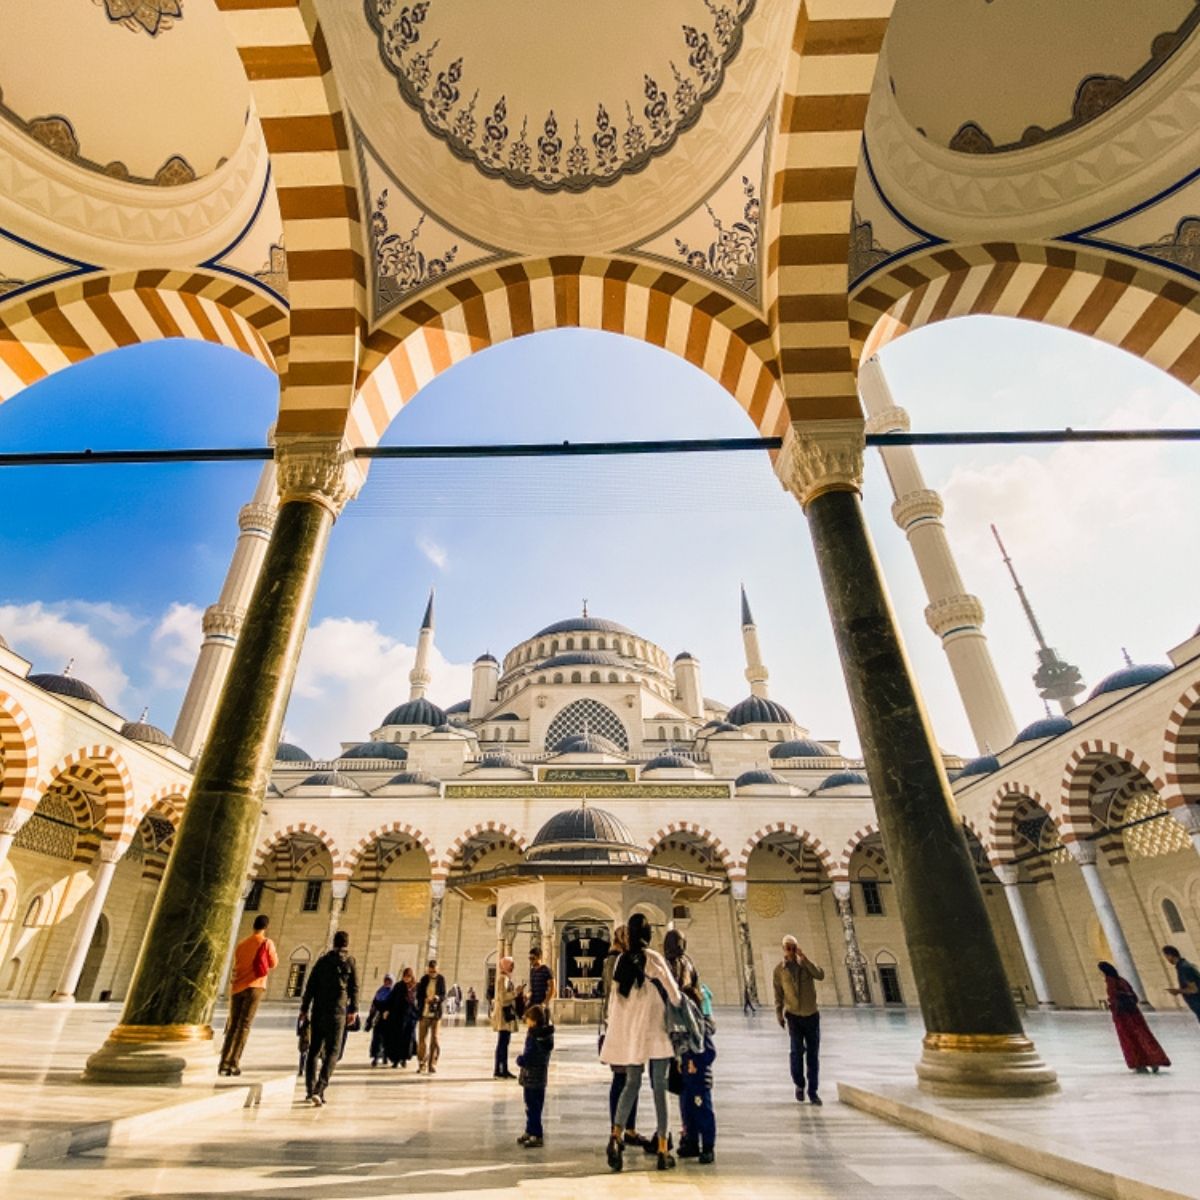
[585, 835]
[842, 779]
[584, 625]
[494, 759]
[985, 764]
[287, 752]
[669, 761]
[461, 707]
[147, 734]
[800, 748]
[584, 658]
[509, 716]
[333, 779]
[757, 710]
[416, 712]
[1044, 727]
[586, 743]
[758, 778]
[408, 778]
[390, 750]
[719, 727]
[68, 685]
[1129, 677]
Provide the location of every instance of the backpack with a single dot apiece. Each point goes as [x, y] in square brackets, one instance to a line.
[683, 1023]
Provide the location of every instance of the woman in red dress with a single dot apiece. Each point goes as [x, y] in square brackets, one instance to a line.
[1140, 1047]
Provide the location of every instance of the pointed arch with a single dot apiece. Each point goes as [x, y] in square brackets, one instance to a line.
[1091, 762]
[104, 767]
[813, 842]
[283, 833]
[709, 838]
[355, 856]
[500, 828]
[18, 754]
[1181, 750]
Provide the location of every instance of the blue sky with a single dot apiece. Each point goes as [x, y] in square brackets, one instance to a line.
[113, 565]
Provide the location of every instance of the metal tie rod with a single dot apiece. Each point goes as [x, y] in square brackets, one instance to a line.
[1004, 437]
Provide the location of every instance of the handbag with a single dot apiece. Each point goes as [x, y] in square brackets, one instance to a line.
[675, 1078]
[262, 960]
[508, 1014]
[1127, 1002]
[354, 1025]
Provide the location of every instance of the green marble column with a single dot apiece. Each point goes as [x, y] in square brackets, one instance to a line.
[164, 1032]
[975, 1042]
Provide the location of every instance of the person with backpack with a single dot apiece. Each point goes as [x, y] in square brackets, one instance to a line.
[254, 958]
[695, 1092]
[645, 997]
[330, 1001]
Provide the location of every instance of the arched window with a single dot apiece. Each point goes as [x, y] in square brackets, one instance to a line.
[779, 735]
[586, 643]
[512, 734]
[297, 970]
[612, 677]
[1169, 908]
[675, 732]
[595, 677]
[762, 733]
[541, 649]
[558, 677]
[33, 912]
[576, 677]
[889, 977]
[597, 717]
[662, 733]
[570, 643]
[554, 646]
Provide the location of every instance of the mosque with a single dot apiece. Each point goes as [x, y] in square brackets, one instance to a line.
[361, 195]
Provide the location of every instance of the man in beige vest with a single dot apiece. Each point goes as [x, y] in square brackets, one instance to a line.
[796, 1008]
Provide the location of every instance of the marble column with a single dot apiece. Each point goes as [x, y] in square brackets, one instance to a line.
[974, 1044]
[1009, 875]
[109, 855]
[741, 918]
[437, 902]
[165, 1031]
[1086, 854]
[339, 889]
[12, 821]
[856, 961]
[227, 966]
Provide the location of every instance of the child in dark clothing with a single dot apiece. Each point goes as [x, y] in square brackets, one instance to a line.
[534, 1062]
[695, 1097]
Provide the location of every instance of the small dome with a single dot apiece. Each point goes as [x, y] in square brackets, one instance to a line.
[985, 764]
[416, 712]
[668, 760]
[719, 727]
[585, 835]
[375, 750]
[753, 778]
[68, 685]
[842, 779]
[587, 743]
[412, 777]
[495, 759]
[800, 748]
[333, 779]
[584, 658]
[485, 658]
[286, 752]
[149, 735]
[1046, 727]
[584, 625]
[1129, 677]
[462, 706]
[505, 717]
[684, 656]
[754, 710]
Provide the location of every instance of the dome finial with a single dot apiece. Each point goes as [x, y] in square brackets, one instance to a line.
[66, 671]
[145, 714]
[585, 612]
[1125, 656]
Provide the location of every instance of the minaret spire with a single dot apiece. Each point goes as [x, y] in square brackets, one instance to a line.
[1055, 678]
[756, 672]
[419, 677]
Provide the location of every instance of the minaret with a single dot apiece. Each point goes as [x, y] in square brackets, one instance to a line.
[419, 676]
[1054, 679]
[952, 613]
[223, 620]
[756, 673]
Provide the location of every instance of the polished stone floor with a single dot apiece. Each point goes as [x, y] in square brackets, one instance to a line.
[391, 1133]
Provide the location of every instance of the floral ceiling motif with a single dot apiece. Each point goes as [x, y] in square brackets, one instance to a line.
[402, 265]
[732, 254]
[546, 130]
[152, 16]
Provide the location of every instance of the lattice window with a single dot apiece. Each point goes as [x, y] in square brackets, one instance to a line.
[590, 715]
[1155, 832]
[51, 830]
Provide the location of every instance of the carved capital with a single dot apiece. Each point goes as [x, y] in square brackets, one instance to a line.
[922, 505]
[1007, 873]
[954, 612]
[340, 888]
[319, 470]
[890, 420]
[222, 620]
[738, 889]
[1084, 853]
[257, 518]
[110, 852]
[841, 890]
[821, 456]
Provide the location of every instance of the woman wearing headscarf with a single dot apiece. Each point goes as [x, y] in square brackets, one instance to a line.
[1142, 1052]
[375, 1022]
[620, 943]
[400, 1020]
[682, 967]
[637, 1034]
[504, 1016]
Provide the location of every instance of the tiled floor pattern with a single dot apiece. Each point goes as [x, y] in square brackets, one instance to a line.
[390, 1133]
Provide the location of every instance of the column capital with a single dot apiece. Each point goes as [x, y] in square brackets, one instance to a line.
[954, 612]
[321, 470]
[223, 621]
[1008, 873]
[922, 505]
[12, 820]
[841, 890]
[738, 889]
[257, 518]
[110, 852]
[340, 888]
[1084, 853]
[889, 420]
[821, 456]
[437, 888]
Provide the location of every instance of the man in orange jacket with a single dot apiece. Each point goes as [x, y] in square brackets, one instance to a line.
[253, 960]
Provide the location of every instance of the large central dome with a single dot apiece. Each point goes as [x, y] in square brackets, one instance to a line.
[584, 625]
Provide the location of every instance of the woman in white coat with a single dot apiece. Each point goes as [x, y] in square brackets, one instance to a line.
[637, 1034]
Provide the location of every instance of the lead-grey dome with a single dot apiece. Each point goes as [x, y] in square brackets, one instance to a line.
[147, 734]
[287, 752]
[1128, 677]
[842, 779]
[584, 625]
[587, 743]
[389, 750]
[755, 710]
[496, 759]
[416, 712]
[668, 760]
[1043, 727]
[462, 706]
[407, 778]
[800, 748]
[584, 658]
[585, 835]
[330, 779]
[756, 778]
[68, 685]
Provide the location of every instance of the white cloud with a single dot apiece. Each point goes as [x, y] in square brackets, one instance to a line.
[176, 645]
[350, 675]
[434, 552]
[45, 635]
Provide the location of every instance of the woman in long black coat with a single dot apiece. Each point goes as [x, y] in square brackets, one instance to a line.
[400, 1021]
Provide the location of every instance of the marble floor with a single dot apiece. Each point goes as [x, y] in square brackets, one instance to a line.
[391, 1133]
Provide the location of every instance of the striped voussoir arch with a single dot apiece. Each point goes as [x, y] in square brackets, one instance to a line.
[283, 834]
[18, 755]
[56, 329]
[1181, 750]
[706, 835]
[1002, 844]
[355, 858]
[852, 845]
[103, 769]
[828, 80]
[813, 842]
[498, 827]
[723, 338]
[1135, 309]
[286, 59]
[1093, 762]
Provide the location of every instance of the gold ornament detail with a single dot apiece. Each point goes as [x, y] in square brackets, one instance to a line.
[766, 900]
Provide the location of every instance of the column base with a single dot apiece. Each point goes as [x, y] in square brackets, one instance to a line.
[62, 998]
[983, 1064]
[154, 1056]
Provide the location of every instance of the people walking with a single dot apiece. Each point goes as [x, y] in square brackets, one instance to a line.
[431, 997]
[1142, 1052]
[400, 1021]
[254, 958]
[748, 1008]
[375, 1019]
[534, 1064]
[796, 1010]
[504, 1017]
[330, 1000]
[1188, 975]
[620, 943]
[699, 1139]
[637, 1034]
[541, 981]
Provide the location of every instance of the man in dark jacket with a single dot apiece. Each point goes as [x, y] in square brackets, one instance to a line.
[330, 1001]
[431, 995]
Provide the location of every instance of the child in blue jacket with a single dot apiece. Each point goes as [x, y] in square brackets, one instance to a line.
[695, 1098]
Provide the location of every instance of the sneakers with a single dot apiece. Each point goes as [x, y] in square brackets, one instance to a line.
[223, 1070]
[315, 1101]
